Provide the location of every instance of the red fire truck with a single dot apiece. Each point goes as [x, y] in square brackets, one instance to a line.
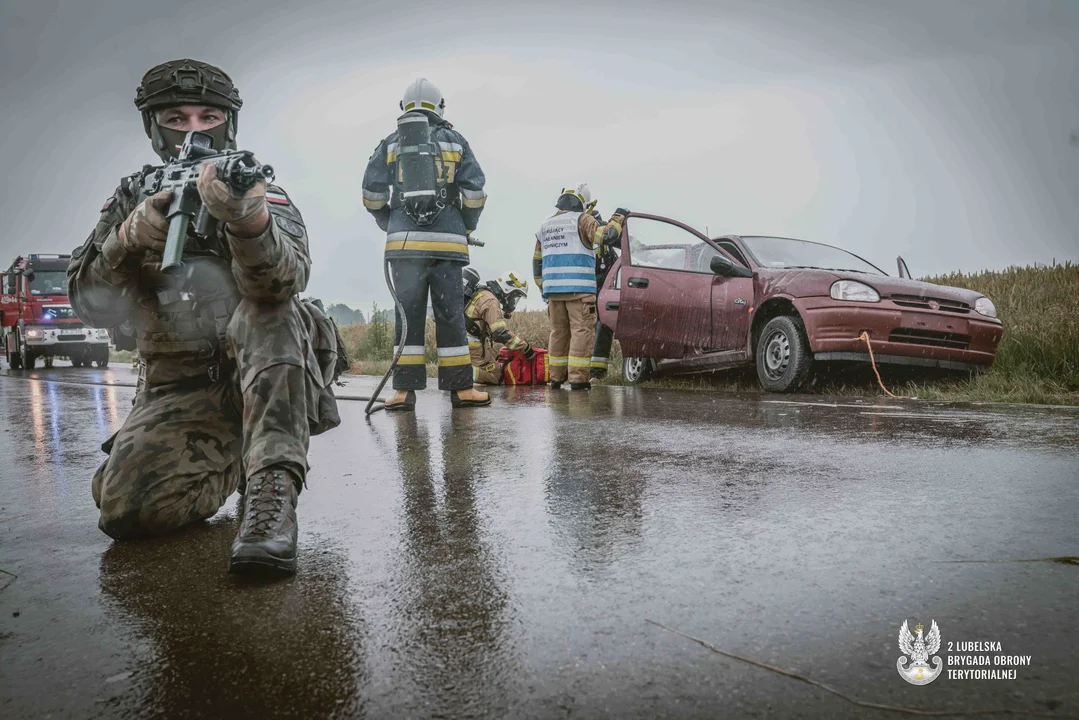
[36, 318]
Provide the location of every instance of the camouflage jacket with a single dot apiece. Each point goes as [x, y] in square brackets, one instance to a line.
[107, 286]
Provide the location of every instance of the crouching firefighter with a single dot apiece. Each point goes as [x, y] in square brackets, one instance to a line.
[487, 308]
[564, 266]
[236, 371]
[424, 188]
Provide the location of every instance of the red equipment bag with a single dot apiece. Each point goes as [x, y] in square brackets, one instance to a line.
[518, 370]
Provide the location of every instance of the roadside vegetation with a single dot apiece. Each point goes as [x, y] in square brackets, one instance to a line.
[1038, 359]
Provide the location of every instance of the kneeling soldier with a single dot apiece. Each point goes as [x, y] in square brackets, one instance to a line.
[236, 371]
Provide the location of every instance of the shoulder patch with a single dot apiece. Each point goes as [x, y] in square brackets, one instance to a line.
[109, 204]
[277, 197]
[290, 226]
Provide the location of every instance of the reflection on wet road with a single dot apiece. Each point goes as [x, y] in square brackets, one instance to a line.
[503, 562]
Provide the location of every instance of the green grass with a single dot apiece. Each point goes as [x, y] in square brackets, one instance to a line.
[1037, 361]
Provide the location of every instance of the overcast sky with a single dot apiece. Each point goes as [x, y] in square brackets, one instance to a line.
[940, 130]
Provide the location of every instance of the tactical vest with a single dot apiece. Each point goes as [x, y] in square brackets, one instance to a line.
[190, 321]
[568, 266]
[187, 318]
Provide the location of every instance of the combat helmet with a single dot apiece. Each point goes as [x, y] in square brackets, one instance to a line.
[187, 82]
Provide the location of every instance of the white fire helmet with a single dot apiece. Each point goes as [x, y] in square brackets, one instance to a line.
[423, 95]
[513, 290]
[581, 192]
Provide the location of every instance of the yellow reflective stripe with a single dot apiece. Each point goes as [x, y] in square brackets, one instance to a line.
[575, 361]
[474, 344]
[412, 360]
[450, 156]
[557, 360]
[473, 203]
[454, 360]
[516, 342]
[374, 204]
[450, 247]
[497, 324]
[391, 157]
[599, 363]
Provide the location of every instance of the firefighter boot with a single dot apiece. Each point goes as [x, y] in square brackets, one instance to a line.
[580, 386]
[556, 384]
[597, 373]
[402, 400]
[469, 398]
[267, 535]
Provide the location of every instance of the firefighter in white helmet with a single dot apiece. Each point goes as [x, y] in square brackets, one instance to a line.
[487, 308]
[564, 267]
[424, 187]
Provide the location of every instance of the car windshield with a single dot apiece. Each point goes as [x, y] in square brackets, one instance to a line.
[49, 282]
[772, 252]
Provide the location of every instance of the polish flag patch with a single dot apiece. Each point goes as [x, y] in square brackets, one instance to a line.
[277, 198]
[108, 204]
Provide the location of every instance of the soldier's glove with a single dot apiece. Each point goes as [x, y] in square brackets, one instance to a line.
[529, 353]
[146, 227]
[220, 202]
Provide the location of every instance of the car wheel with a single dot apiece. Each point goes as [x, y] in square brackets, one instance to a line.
[783, 357]
[636, 370]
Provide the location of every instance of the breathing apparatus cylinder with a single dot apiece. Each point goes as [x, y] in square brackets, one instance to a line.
[417, 169]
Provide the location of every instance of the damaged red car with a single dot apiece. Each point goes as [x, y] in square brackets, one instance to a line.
[681, 302]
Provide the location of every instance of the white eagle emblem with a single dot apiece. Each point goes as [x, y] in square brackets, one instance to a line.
[920, 650]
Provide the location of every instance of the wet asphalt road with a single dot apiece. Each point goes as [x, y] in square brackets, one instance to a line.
[504, 562]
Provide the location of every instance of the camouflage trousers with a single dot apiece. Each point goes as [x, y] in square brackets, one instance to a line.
[188, 445]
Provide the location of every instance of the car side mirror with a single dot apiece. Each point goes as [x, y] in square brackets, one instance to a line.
[721, 265]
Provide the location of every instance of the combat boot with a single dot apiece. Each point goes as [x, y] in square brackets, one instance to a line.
[556, 384]
[580, 386]
[267, 535]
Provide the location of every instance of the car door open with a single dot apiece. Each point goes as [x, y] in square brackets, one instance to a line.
[667, 286]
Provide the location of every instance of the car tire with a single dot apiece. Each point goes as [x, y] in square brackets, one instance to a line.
[783, 356]
[637, 370]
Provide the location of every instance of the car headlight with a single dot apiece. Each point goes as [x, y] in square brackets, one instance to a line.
[33, 334]
[854, 291]
[986, 307]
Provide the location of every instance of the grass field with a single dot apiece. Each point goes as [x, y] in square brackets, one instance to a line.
[1038, 359]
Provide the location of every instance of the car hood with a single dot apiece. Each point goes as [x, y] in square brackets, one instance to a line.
[809, 282]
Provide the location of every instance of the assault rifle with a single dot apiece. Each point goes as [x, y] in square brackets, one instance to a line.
[236, 168]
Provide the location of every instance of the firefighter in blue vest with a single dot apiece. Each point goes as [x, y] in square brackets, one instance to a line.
[425, 189]
[564, 266]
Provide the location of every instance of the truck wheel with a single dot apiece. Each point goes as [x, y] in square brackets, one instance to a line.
[103, 360]
[28, 358]
[636, 370]
[783, 356]
[48, 361]
[15, 361]
[76, 362]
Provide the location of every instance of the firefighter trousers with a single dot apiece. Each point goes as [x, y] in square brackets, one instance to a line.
[601, 347]
[187, 445]
[414, 280]
[485, 367]
[573, 322]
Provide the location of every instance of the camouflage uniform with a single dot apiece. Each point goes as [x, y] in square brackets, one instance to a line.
[237, 374]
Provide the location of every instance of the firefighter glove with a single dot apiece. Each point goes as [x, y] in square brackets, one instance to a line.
[223, 204]
[529, 353]
[621, 211]
[146, 227]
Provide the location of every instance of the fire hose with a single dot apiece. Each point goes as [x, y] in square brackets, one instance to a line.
[400, 310]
